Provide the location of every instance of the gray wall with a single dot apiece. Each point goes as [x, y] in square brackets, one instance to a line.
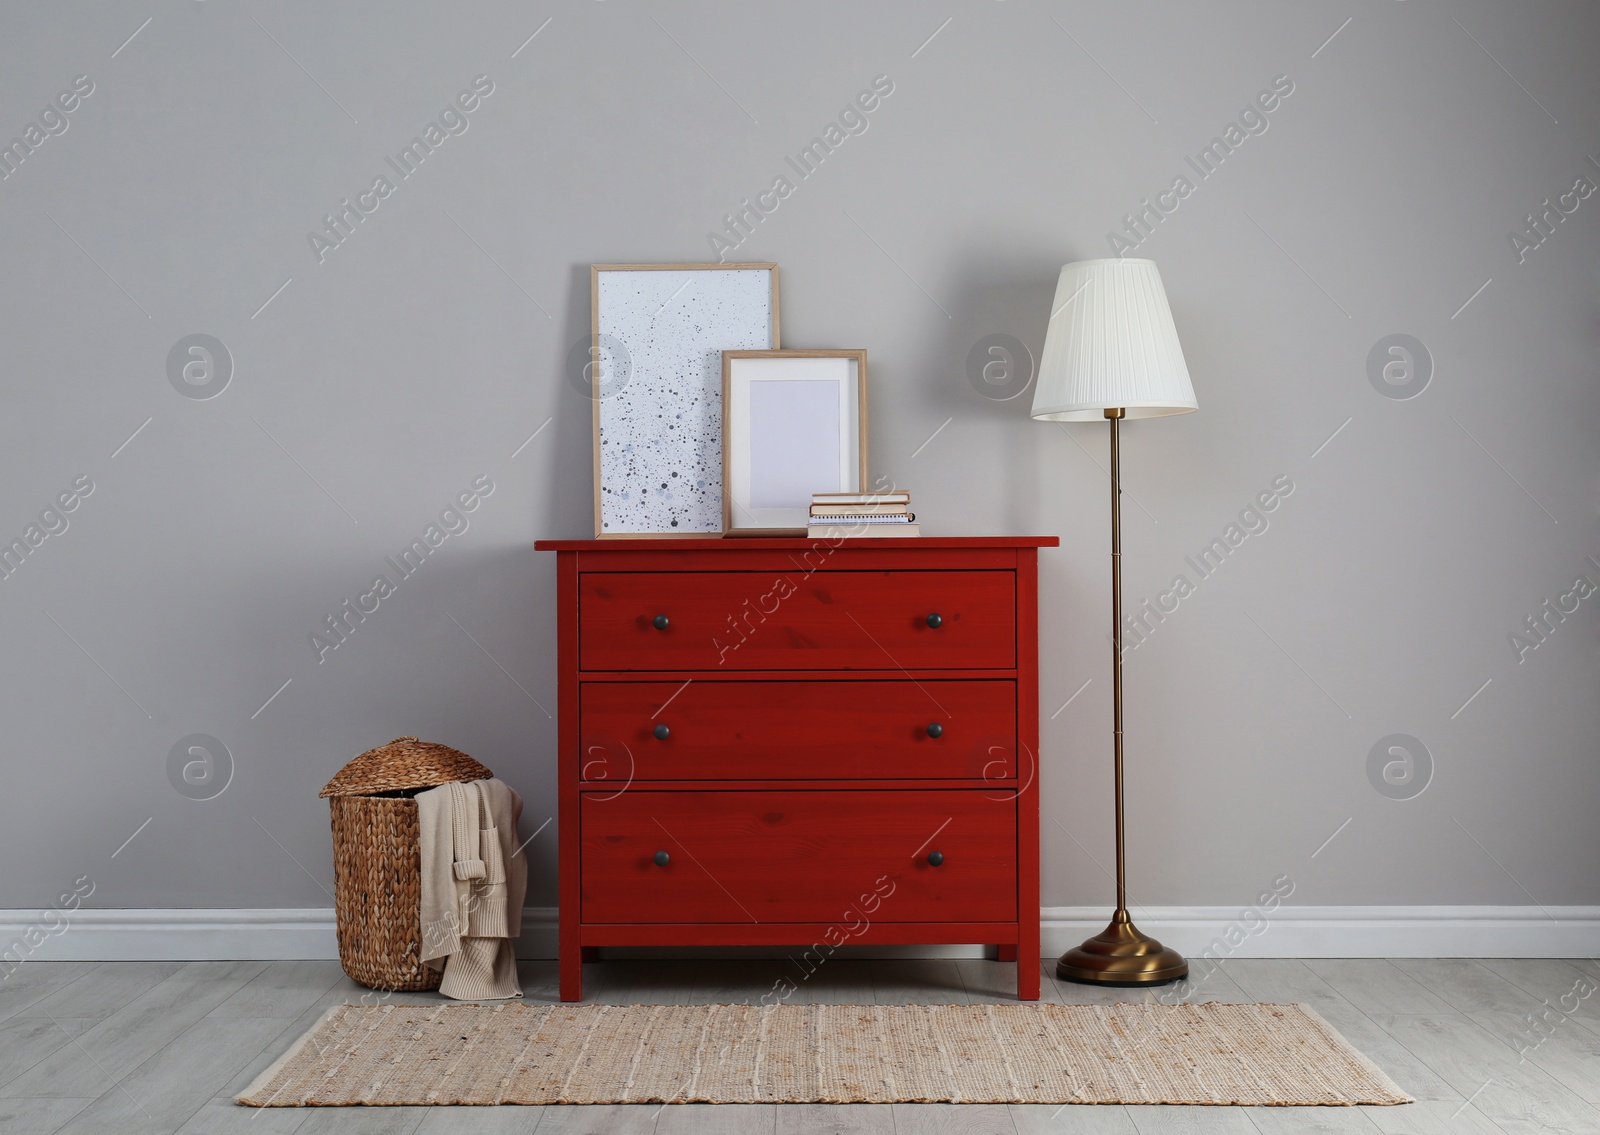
[426, 350]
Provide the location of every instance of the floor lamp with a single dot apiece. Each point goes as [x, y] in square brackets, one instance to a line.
[1111, 352]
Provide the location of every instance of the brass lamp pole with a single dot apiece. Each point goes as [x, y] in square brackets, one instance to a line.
[1112, 352]
[1120, 954]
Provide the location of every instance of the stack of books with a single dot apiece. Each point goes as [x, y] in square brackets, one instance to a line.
[862, 514]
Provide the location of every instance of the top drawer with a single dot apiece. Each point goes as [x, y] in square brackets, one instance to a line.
[844, 620]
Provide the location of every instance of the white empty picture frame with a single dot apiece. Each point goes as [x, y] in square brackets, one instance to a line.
[794, 424]
[658, 438]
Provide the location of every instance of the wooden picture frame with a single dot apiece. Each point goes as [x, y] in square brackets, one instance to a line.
[795, 423]
[669, 324]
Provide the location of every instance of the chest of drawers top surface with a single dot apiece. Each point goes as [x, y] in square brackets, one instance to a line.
[737, 544]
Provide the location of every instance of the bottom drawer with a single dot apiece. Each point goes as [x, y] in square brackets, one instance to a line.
[912, 856]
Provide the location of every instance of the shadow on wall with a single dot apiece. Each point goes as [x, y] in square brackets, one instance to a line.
[568, 493]
[983, 369]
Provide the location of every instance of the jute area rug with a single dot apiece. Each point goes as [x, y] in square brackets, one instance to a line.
[592, 1054]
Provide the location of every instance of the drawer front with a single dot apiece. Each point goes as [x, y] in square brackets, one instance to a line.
[743, 857]
[733, 730]
[837, 620]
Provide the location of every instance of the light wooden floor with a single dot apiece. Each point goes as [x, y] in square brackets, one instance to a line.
[133, 1048]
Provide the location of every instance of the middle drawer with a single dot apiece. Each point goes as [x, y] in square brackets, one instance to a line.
[797, 730]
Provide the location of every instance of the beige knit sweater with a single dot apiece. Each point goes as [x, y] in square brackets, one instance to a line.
[474, 878]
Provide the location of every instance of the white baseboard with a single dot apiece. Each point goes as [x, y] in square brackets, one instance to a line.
[1349, 931]
[1289, 932]
[162, 935]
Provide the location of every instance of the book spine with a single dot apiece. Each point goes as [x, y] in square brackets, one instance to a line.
[865, 498]
[868, 517]
[874, 531]
[831, 510]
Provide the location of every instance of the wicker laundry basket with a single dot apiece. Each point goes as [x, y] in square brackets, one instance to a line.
[377, 861]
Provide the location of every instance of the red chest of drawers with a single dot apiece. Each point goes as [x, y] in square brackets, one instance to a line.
[798, 742]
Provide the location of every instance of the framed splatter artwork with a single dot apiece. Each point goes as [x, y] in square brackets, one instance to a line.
[659, 331]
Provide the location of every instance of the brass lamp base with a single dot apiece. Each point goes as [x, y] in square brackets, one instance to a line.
[1121, 955]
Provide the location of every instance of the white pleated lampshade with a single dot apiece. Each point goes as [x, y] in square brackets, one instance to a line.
[1111, 343]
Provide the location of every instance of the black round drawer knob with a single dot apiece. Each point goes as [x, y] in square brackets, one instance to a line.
[936, 620]
[662, 732]
[662, 859]
[935, 730]
[660, 622]
[935, 858]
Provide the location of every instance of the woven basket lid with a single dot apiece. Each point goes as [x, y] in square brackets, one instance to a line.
[403, 763]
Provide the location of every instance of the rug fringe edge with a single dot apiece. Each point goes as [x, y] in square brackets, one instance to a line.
[1383, 1078]
[261, 1081]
